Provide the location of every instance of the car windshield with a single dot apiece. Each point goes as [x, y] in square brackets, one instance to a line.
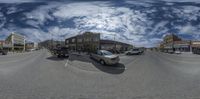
[106, 53]
[135, 49]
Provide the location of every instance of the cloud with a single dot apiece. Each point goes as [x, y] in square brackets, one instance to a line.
[2, 20]
[95, 17]
[62, 33]
[190, 29]
[196, 1]
[142, 23]
[128, 24]
[39, 15]
[16, 1]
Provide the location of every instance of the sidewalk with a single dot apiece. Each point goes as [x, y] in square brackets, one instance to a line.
[79, 54]
[13, 53]
[189, 54]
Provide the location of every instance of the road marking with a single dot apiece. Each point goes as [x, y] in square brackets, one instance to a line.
[66, 63]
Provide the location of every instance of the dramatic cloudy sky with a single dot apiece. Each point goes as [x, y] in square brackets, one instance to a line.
[138, 22]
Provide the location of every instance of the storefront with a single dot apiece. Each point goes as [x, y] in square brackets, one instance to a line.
[182, 47]
[196, 47]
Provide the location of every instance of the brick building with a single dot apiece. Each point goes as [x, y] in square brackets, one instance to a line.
[195, 47]
[89, 42]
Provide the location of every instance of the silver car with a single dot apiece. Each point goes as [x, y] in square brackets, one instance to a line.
[134, 51]
[105, 57]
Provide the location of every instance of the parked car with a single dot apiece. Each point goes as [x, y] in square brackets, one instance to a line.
[114, 51]
[170, 51]
[141, 51]
[61, 52]
[134, 51]
[3, 52]
[105, 57]
[30, 50]
[177, 52]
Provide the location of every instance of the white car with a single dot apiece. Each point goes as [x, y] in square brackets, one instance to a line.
[177, 52]
[105, 57]
[134, 51]
[30, 50]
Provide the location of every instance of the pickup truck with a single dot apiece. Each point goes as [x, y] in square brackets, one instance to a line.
[3, 52]
[61, 52]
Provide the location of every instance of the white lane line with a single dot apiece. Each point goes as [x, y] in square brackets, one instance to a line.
[66, 63]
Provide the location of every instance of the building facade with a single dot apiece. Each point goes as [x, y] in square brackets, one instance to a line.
[50, 44]
[114, 46]
[90, 42]
[195, 47]
[87, 41]
[174, 43]
[1, 44]
[16, 42]
[31, 45]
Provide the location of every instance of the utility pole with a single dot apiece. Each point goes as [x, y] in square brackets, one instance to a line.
[51, 40]
[12, 41]
[114, 41]
[173, 49]
[24, 43]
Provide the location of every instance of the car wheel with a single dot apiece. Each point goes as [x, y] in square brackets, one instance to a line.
[102, 62]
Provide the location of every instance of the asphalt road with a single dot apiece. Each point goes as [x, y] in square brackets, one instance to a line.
[154, 75]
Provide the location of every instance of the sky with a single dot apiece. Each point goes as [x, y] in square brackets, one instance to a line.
[137, 22]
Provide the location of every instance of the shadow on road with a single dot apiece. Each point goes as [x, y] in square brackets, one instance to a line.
[54, 58]
[112, 69]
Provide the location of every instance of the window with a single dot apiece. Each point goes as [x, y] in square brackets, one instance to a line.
[95, 39]
[80, 40]
[73, 40]
[99, 53]
[106, 53]
[67, 41]
[87, 39]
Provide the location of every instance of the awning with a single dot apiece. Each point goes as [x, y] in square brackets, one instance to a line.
[181, 46]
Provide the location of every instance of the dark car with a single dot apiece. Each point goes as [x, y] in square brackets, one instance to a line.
[61, 52]
[3, 52]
